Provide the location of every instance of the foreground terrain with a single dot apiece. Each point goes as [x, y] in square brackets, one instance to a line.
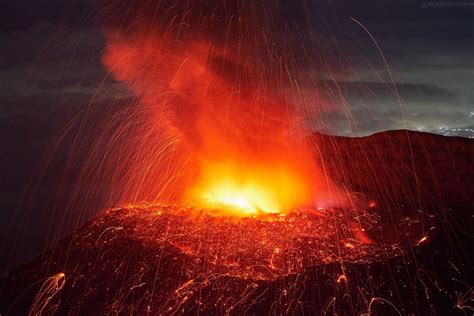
[404, 246]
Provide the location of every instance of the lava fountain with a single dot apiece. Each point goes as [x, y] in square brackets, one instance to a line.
[212, 76]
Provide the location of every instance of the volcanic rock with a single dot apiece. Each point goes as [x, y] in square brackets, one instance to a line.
[410, 252]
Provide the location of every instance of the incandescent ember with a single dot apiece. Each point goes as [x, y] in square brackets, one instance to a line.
[265, 246]
[175, 258]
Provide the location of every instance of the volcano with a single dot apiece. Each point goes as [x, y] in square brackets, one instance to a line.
[403, 246]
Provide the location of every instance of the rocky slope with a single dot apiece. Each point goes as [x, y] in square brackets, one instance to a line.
[152, 260]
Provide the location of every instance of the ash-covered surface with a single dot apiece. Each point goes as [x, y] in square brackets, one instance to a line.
[175, 259]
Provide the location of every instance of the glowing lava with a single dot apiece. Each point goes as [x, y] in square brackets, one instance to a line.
[262, 247]
[242, 190]
[218, 122]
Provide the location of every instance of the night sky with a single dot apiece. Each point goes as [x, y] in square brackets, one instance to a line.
[50, 63]
[50, 70]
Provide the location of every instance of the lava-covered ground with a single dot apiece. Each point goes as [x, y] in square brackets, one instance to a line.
[410, 252]
[166, 259]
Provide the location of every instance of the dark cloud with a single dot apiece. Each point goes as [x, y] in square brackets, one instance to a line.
[23, 14]
[53, 48]
[372, 107]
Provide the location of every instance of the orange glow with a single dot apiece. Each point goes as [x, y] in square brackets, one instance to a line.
[349, 245]
[422, 240]
[246, 190]
[218, 128]
[341, 278]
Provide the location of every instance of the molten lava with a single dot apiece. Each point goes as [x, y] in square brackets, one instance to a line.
[243, 190]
